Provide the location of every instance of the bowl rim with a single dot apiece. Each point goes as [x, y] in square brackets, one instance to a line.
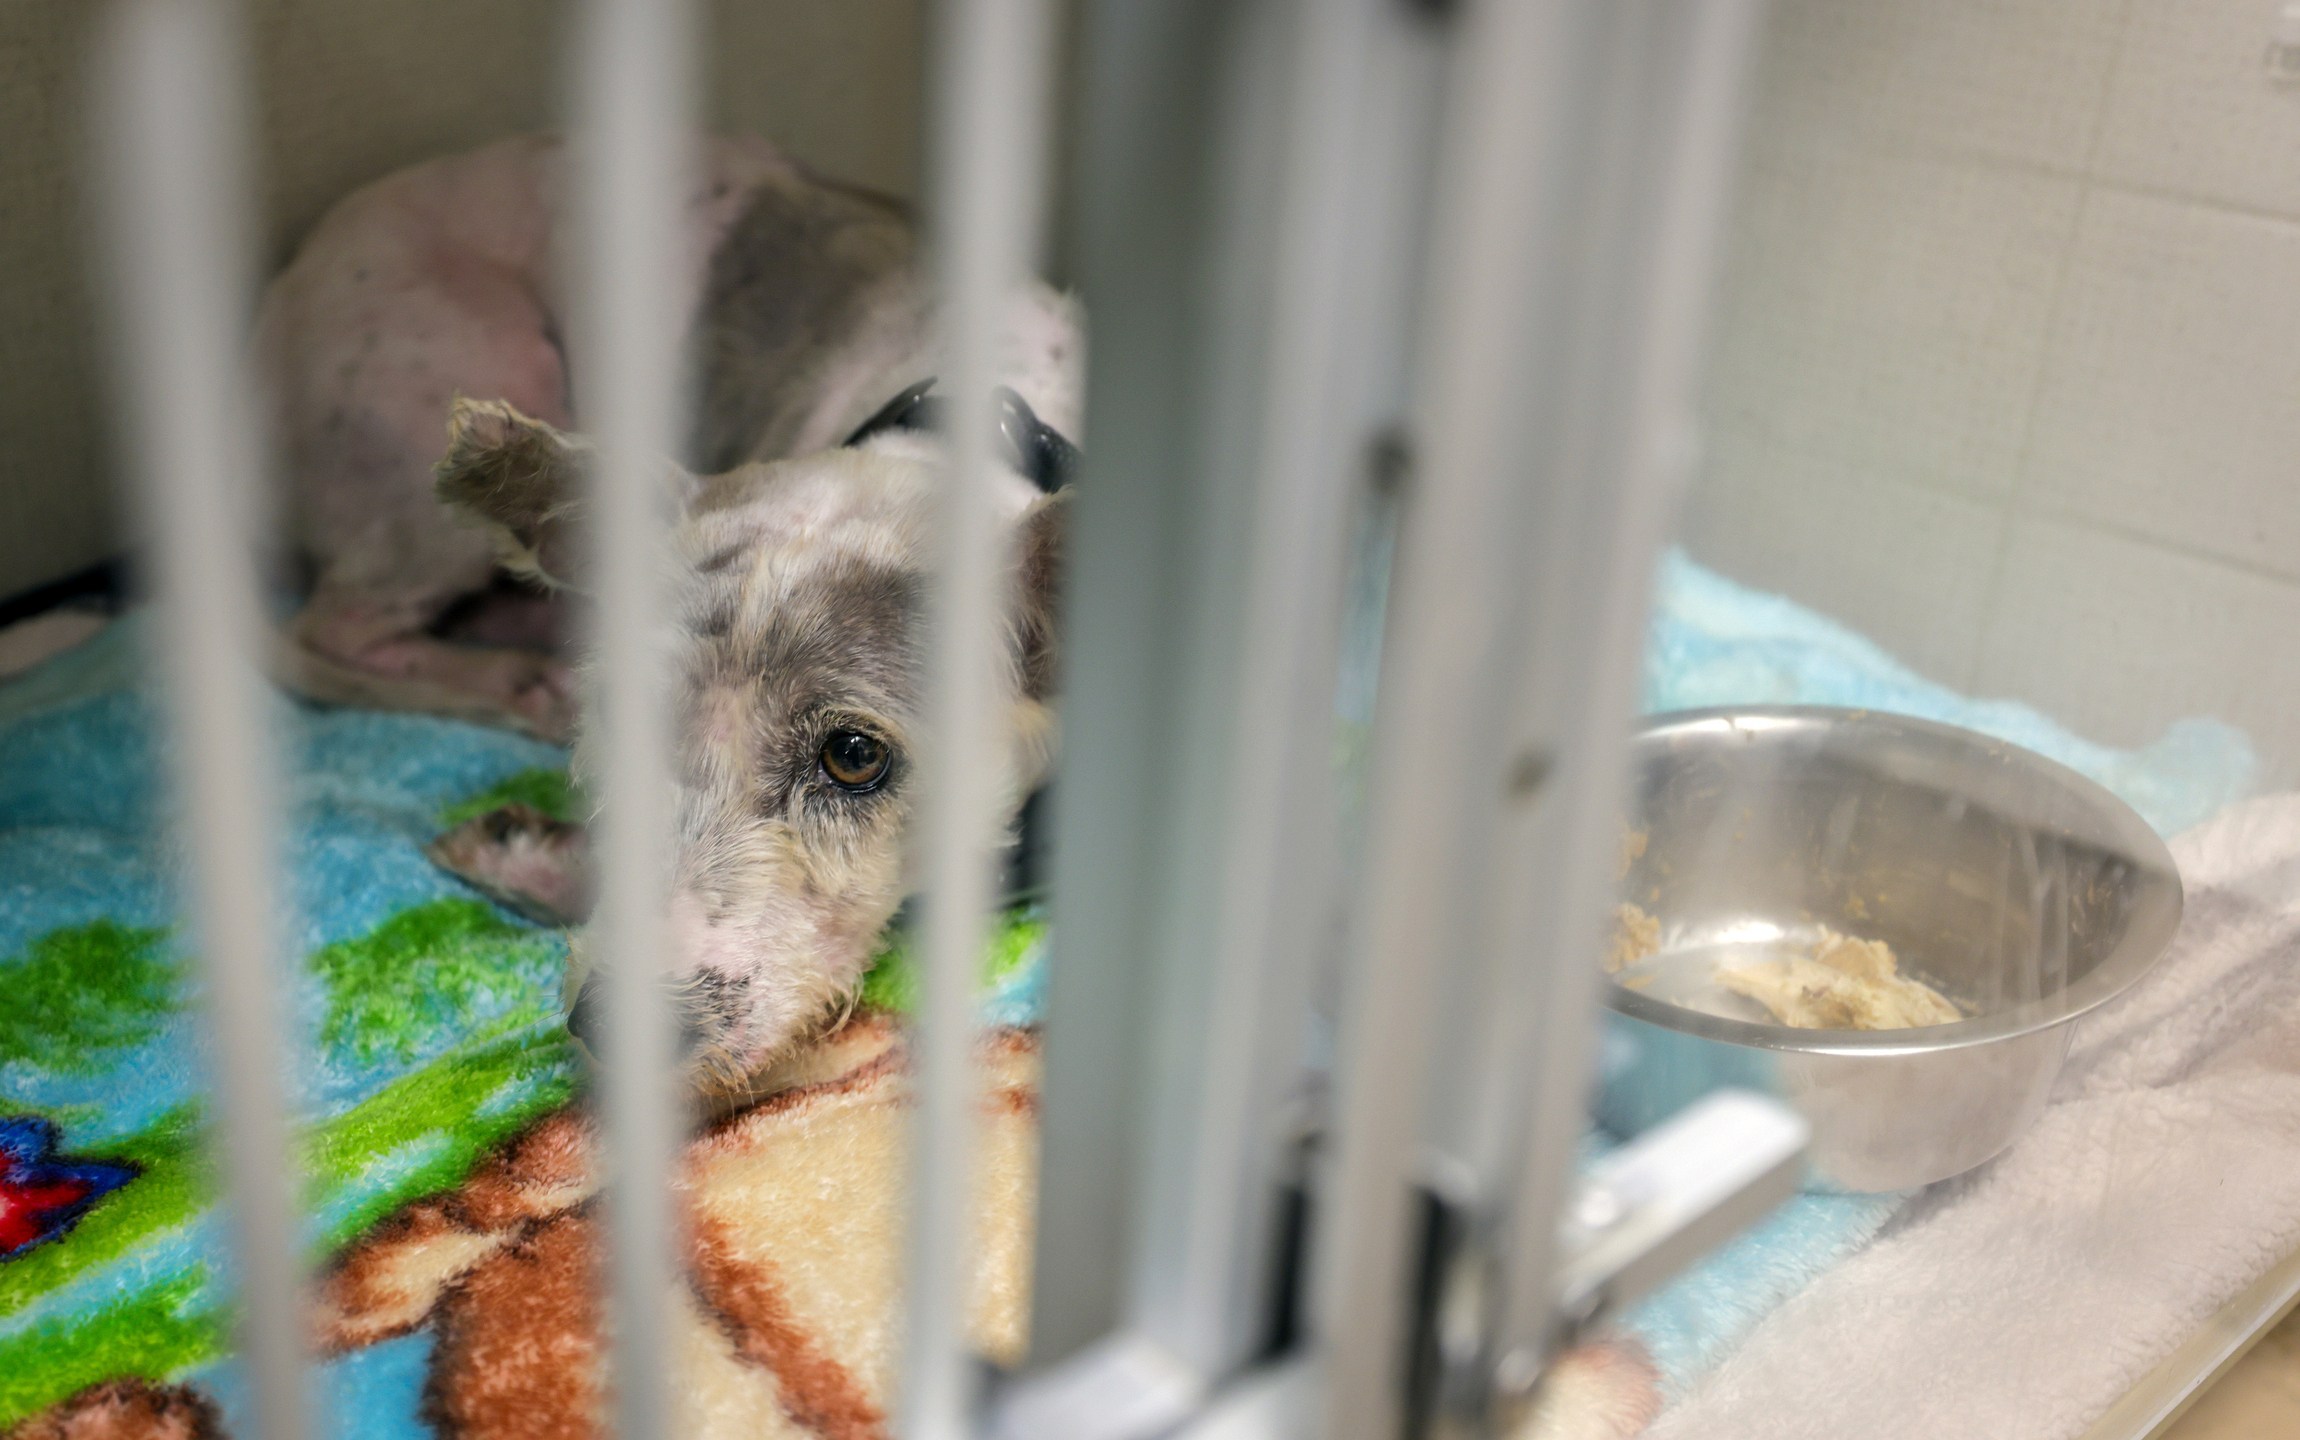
[2135, 953]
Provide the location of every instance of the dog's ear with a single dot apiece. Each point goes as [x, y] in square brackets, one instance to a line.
[1040, 545]
[524, 481]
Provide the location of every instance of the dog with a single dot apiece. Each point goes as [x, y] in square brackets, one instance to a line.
[801, 538]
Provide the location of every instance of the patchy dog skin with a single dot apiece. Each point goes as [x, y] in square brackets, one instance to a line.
[444, 279]
[801, 562]
[798, 596]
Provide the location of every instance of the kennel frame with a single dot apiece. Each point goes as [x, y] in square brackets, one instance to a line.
[1276, 340]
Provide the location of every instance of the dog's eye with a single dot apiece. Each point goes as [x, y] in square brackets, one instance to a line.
[855, 761]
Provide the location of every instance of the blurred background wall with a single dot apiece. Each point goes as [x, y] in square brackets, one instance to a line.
[352, 89]
[2008, 371]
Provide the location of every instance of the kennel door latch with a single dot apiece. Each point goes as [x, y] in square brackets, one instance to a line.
[1636, 1217]
[1669, 1197]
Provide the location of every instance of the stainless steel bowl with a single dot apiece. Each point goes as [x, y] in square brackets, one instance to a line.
[2011, 884]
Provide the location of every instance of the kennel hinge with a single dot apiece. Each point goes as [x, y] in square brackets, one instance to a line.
[1636, 1218]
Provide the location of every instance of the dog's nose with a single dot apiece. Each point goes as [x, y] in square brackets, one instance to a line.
[584, 1015]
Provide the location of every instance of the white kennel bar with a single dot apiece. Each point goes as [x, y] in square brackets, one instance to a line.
[1227, 159]
[1297, 333]
[1519, 370]
[1622, 345]
[634, 68]
[175, 209]
[986, 137]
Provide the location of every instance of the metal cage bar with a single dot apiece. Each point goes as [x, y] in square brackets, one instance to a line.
[170, 112]
[1247, 871]
[1146, 87]
[1259, 283]
[1246, 231]
[1593, 143]
[985, 178]
[1590, 613]
[631, 124]
[1295, 440]
[1491, 247]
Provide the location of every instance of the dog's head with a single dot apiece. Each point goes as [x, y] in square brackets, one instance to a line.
[799, 604]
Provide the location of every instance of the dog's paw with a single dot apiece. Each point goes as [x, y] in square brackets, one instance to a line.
[542, 693]
[521, 858]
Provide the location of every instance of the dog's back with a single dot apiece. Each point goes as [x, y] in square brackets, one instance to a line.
[812, 295]
[445, 279]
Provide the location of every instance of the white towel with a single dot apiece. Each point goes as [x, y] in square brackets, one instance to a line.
[2020, 1301]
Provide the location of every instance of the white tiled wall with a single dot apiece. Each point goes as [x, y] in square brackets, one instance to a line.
[2008, 362]
[2170, 406]
[1860, 330]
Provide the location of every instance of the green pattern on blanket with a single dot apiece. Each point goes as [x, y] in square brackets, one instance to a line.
[80, 992]
[551, 791]
[892, 983]
[459, 997]
[161, 1331]
[432, 972]
[422, 1133]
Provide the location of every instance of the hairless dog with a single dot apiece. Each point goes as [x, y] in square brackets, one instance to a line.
[428, 305]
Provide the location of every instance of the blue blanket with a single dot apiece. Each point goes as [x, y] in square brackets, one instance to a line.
[430, 1016]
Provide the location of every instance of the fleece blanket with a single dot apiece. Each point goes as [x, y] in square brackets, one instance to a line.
[2161, 1180]
[446, 1162]
[446, 1157]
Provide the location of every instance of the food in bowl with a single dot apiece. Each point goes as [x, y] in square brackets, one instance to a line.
[1838, 982]
[2011, 885]
[1636, 934]
[1845, 984]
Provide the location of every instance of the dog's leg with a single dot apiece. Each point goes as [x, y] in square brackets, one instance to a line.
[423, 287]
[512, 613]
[392, 566]
[354, 649]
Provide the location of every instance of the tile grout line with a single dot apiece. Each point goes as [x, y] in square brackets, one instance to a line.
[2182, 549]
[1903, 147]
[2015, 505]
[2039, 508]
[2172, 195]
